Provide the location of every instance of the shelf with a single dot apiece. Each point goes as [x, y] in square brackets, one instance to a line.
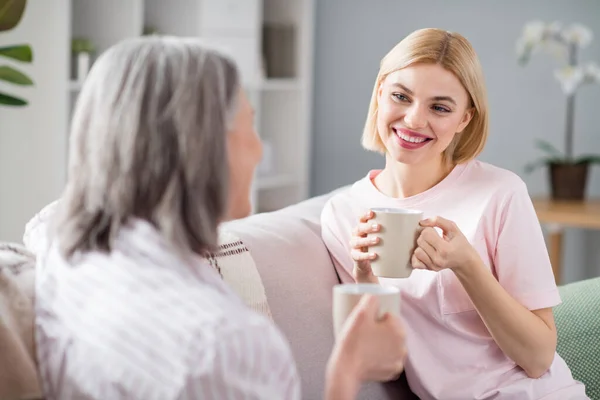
[75, 86]
[276, 84]
[282, 84]
[275, 181]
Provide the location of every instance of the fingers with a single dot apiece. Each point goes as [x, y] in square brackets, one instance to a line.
[430, 241]
[358, 242]
[379, 343]
[395, 370]
[398, 368]
[359, 255]
[421, 260]
[367, 216]
[446, 225]
[367, 307]
[395, 326]
[395, 323]
[364, 228]
[431, 237]
[424, 253]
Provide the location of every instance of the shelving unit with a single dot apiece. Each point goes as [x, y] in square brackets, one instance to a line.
[272, 42]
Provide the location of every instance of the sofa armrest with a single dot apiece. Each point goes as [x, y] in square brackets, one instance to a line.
[18, 367]
[578, 326]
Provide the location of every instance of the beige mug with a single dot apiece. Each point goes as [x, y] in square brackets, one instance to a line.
[347, 295]
[397, 241]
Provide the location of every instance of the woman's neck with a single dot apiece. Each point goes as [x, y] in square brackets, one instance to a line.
[400, 180]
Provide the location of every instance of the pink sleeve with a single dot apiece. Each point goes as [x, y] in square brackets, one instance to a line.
[336, 232]
[521, 259]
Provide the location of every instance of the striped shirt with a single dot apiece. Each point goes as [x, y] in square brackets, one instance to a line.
[144, 323]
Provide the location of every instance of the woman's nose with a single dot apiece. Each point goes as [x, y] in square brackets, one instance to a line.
[415, 117]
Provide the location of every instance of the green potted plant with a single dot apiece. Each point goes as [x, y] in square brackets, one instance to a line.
[11, 12]
[568, 173]
[81, 51]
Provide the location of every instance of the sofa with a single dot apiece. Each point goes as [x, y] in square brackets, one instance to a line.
[297, 275]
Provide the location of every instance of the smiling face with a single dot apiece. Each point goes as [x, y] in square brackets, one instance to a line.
[420, 110]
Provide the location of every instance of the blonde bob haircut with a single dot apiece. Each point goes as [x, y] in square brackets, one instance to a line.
[453, 52]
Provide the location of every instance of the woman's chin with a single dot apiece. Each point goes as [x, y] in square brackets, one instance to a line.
[239, 211]
[403, 157]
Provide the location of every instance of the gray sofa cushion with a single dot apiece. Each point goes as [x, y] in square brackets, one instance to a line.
[298, 277]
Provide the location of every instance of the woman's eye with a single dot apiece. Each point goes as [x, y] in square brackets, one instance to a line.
[400, 96]
[441, 109]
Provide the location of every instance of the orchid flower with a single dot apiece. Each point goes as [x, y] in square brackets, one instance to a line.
[570, 78]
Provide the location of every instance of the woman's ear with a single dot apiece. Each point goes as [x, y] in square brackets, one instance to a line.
[381, 87]
[467, 117]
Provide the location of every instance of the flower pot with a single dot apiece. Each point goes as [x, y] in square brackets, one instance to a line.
[568, 181]
[80, 66]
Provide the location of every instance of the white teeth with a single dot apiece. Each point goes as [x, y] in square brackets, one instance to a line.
[411, 139]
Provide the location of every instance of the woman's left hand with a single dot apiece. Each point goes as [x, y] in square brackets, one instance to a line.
[435, 252]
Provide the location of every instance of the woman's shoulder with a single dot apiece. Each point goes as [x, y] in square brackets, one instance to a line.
[36, 235]
[348, 199]
[500, 181]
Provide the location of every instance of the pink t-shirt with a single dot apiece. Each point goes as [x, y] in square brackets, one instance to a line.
[451, 354]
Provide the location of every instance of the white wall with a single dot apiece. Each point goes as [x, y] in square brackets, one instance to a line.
[33, 139]
[525, 103]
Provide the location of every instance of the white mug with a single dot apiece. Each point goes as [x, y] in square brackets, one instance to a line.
[397, 241]
[347, 296]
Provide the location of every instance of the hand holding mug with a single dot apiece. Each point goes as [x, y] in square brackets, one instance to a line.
[370, 346]
[359, 248]
[383, 242]
[434, 252]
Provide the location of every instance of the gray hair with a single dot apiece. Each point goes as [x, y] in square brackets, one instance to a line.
[148, 140]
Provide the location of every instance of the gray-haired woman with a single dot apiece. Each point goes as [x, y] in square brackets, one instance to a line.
[163, 149]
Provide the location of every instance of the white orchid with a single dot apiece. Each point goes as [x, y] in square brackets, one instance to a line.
[579, 35]
[565, 45]
[570, 78]
[523, 49]
[592, 72]
[556, 49]
[553, 38]
[554, 29]
[534, 32]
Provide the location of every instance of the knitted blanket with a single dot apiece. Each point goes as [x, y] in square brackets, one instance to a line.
[18, 371]
[236, 266]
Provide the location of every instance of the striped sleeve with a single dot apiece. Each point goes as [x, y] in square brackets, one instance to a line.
[254, 363]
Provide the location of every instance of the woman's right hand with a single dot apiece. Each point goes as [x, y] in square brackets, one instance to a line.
[359, 249]
[368, 348]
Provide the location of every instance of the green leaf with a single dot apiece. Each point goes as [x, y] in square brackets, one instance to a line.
[525, 55]
[548, 148]
[82, 45]
[590, 159]
[21, 52]
[11, 75]
[11, 101]
[529, 168]
[11, 12]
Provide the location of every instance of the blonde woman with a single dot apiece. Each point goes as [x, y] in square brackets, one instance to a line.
[162, 151]
[478, 305]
